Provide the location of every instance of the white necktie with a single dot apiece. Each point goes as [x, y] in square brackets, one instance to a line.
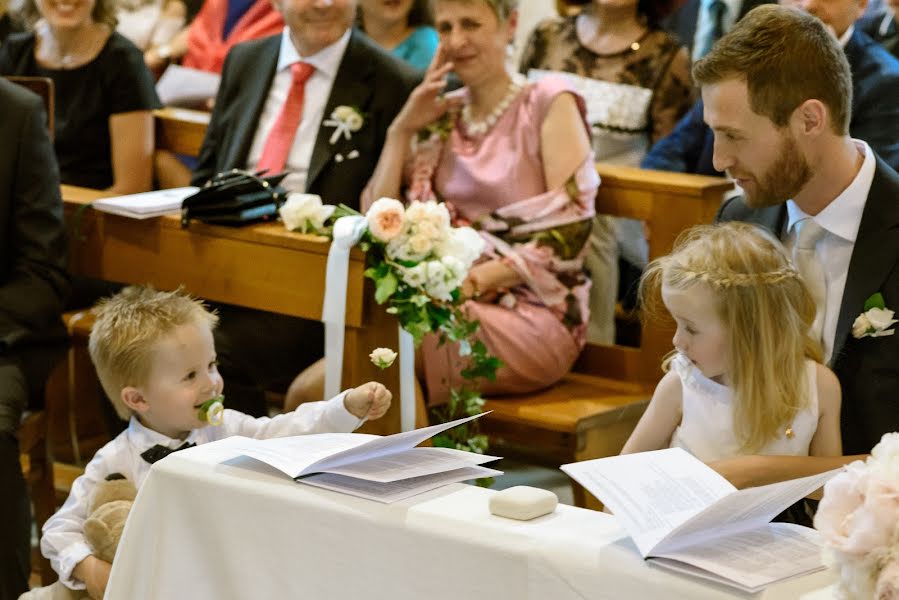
[810, 268]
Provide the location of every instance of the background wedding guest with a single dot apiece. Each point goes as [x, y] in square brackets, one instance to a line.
[875, 87]
[776, 92]
[150, 23]
[103, 92]
[647, 88]
[402, 27]
[33, 287]
[698, 24]
[883, 27]
[8, 22]
[517, 163]
[269, 112]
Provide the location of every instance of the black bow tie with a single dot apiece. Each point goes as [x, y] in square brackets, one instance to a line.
[158, 452]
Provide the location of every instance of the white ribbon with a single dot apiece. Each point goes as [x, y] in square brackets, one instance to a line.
[347, 233]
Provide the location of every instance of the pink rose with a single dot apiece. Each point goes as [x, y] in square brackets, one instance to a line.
[843, 495]
[386, 218]
[888, 582]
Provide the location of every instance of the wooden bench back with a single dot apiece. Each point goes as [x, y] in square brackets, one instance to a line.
[43, 87]
[180, 130]
[668, 203]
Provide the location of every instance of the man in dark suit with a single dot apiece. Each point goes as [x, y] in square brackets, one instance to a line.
[883, 27]
[262, 351]
[776, 93]
[697, 24]
[33, 286]
[875, 111]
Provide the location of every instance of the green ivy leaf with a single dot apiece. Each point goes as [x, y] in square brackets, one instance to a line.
[875, 301]
[386, 287]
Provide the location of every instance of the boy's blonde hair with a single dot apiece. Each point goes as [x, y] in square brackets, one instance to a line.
[127, 329]
[767, 312]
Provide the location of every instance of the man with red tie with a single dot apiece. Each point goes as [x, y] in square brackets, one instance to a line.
[315, 101]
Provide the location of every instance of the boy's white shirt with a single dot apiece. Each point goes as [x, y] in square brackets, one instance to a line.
[62, 540]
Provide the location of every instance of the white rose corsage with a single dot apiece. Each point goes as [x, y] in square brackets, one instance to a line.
[346, 121]
[876, 321]
[305, 213]
[213, 410]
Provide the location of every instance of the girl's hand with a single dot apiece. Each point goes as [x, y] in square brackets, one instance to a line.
[426, 103]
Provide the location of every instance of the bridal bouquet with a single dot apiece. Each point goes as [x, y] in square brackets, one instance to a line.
[418, 261]
[859, 520]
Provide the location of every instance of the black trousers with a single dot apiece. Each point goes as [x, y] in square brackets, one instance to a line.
[259, 351]
[22, 376]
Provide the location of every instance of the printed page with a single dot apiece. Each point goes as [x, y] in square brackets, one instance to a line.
[180, 85]
[743, 510]
[397, 490]
[306, 454]
[751, 560]
[411, 463]
[293, 454]
[146, 204]
[651, 493]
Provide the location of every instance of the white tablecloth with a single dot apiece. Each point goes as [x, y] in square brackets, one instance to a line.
[210, 525]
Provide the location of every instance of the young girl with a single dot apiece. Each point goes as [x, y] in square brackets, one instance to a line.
[745, 377]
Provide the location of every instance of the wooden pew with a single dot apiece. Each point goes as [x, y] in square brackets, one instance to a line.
[591, 412]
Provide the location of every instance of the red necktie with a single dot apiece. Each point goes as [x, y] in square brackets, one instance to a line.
[280, 138]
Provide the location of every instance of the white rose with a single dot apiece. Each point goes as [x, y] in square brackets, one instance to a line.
[382, 357]
[415, 276]
[419, 245]
[880, 318]
[861, 326]
[884, 459]
[343, 113]
[304, 212]
[428, 230]
[386, 218]
[354, 121]
[463, 243]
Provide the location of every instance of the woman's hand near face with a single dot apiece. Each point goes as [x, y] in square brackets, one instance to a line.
[426, 103]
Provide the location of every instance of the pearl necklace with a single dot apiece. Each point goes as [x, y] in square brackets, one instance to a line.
[478, 128]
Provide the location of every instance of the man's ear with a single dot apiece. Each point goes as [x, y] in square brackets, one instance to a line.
[811, 118]
[134, 399]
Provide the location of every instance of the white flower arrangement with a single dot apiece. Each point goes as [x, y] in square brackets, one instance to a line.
[382, 357]
[859, 520]
[876, 321]
[346, 120]
[305, 213]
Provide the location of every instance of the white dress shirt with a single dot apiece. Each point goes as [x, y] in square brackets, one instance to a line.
[840, 221]
[704, 24]
[62, 541]
[315, 98]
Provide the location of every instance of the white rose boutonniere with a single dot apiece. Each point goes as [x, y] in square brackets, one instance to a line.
[346, 121]
[382, 357]
[305, 213]
[876, 321]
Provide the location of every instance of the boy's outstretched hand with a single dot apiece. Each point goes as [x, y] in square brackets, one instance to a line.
[368, 401]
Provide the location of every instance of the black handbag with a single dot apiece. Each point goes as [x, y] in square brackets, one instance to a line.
[235, 197]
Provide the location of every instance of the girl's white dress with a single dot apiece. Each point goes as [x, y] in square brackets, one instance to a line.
[706, 430]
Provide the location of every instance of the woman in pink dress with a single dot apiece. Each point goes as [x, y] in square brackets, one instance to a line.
[513, 160]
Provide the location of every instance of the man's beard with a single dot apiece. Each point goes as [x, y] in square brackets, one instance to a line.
[784, 179]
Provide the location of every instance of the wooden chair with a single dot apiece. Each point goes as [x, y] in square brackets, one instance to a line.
[43, 87]
[591, 412]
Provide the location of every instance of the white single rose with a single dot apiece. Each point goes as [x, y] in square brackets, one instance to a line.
[382, 357]
[343, 113]
[215, 414]
[428, 230]
[861, 326]
[880, 318]
[419, 245]
[304, 212]
[386, 218]
[464, 243]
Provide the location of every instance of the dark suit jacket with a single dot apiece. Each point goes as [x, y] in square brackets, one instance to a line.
[875, 115]
[868, 368]
[871, 24]
[368, 79]
[33, 281]
[682, 22]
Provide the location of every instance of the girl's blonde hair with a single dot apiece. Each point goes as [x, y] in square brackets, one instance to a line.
[127, 330]
[767, 312]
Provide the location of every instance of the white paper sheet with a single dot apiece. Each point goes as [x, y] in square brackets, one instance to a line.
[146, 204]
[184, 85]
[416, 462]
[396, 490]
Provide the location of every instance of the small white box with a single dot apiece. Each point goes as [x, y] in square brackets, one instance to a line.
[523, 503]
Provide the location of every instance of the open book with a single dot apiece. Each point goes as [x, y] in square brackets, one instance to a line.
[686, 517]
[146, 204]
[382, 468]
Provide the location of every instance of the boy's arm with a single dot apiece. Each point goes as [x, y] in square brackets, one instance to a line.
[62, 537]
[330, 416]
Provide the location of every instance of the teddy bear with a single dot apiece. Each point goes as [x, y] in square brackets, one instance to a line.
[102, 530]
